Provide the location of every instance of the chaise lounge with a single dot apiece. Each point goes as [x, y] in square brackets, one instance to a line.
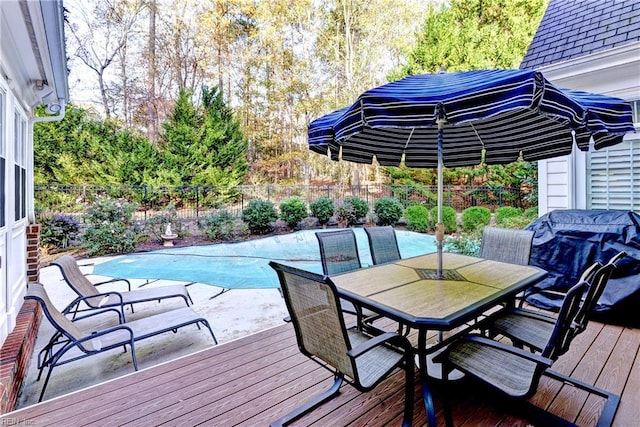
[69, 335]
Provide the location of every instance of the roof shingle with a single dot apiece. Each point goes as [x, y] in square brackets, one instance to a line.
[573, 28]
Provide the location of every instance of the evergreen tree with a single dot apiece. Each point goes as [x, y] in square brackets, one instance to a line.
[465, 35]
[204, 146]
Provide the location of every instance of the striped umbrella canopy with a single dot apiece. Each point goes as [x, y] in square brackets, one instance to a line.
[466, 118]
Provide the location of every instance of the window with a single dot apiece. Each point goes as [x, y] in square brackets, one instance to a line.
[20, 168]
[613, 174]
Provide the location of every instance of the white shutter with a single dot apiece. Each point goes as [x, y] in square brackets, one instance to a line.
[613, 174]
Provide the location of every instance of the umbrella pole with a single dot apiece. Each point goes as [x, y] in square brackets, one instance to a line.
[440, 224]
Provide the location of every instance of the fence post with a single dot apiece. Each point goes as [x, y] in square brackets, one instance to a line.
[144, 200]
[197, 201]
[500, 196]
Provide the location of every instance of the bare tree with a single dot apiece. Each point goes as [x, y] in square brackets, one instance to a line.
[101, 35]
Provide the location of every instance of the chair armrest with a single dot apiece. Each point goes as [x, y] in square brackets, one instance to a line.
[95, 311]
[114, 280]
[545, 361]
[533, 291]
[387, 337]
[97, 334]
[541, 316]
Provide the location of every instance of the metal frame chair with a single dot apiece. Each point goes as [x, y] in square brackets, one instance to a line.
[339, 254]
[338, 251]
[70, 336]
[506, 245]
[91, 298]
[360, 359]
[516, 373]
[533, 328]
[383, 244]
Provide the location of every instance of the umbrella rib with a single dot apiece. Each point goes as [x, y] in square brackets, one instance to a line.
[478, 135]
[406, 144]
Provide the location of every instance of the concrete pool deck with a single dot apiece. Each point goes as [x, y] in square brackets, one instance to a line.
[233, 314]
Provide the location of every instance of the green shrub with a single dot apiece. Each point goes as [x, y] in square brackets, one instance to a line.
[109, 227]
[506, 212]
[156, 225]
[221, 225]
[322, 208]
[351, 210]
[449, 218]
[59, 230]
[417, 217]
[346, 215]
[463, 243]
[292, 211]
[516, 222]
[258, 215]
[360, 207]
[388, 210]
[531, 213]
[475, 217]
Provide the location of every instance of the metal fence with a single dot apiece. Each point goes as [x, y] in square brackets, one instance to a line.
[196, 201]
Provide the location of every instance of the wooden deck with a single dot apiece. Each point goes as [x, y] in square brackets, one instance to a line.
[254, 380]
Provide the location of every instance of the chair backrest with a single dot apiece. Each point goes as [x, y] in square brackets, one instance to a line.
[565, 327]
[383, 244]
[338, 251]
[77, 280]
[506, 245]
[59, 321]
[597, 284]
[314, 307]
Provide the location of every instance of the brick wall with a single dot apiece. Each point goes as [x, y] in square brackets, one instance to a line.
[18, 347]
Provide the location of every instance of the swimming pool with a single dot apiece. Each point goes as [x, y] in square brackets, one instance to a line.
[245, 264]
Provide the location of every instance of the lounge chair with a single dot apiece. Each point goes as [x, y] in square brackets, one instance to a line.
[349, 354]
[516, 373]
[69, 335]
[383, 244]
[90, 298]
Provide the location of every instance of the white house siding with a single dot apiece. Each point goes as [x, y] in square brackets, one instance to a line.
[14, 220]
[32, 72]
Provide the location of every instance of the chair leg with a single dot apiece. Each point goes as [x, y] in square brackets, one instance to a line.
[46, 381]
[612, 400]
[206, 323]
[311, 404]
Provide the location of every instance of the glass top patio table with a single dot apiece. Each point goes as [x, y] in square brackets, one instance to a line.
[408, 291]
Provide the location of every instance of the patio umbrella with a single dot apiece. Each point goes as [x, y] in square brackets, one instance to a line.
[462, 119]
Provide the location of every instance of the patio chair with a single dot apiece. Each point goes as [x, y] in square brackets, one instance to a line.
[533, 328]
[69, 335]
[352, 355]
[338, 254]
[516, 373]
[338, 251]
[506, 245]
[383, 244]
[90, 298]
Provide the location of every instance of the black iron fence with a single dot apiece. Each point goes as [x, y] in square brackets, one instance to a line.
[196, 201]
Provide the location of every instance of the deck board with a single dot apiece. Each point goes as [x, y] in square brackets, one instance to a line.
[256, 379]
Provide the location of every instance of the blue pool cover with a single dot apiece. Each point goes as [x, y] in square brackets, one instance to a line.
[245, 264]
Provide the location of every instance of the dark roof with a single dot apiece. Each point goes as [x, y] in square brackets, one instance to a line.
[573, 28]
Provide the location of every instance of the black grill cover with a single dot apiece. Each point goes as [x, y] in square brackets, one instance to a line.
[567, 241]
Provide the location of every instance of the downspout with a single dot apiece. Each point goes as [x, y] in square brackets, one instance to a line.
[31, 211]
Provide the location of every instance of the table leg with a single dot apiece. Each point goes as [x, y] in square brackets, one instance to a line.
[424, 379]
